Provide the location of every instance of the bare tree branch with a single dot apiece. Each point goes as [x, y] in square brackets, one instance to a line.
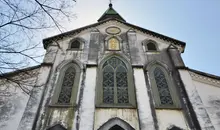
[21, 23]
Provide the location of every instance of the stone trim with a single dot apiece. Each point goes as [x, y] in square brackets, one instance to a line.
[204, 79]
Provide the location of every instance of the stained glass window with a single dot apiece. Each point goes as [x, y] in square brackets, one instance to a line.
[67, 86]
[162, 86]
[115, 82]
[113, 44]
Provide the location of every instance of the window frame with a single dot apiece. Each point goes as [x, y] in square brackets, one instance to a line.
[58, 86]
[81, 41]
[131, 89]
[119, 48]
[171, 87]
[145, 43]
[116, 37]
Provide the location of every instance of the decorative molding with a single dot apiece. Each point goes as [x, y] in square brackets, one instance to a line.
[49, 40]
[204, 79]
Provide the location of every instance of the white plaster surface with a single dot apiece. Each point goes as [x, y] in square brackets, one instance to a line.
[87, 109]
[166, 118]
[13, 99]
[143, 101]
[128, 115]
[12, 105]
[210, 96]
[205, 99]
[29, 115]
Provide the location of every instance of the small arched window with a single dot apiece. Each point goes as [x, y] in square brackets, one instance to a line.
[163, 89]
[151, 46]
[67, 85]
[75, 45]
[115, 84]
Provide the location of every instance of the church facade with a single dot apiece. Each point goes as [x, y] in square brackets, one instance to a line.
[112, 75]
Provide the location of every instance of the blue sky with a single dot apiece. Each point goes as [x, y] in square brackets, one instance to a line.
[196, 22]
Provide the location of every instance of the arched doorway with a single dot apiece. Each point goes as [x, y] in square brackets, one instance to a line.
[116, 127]
[116, 124]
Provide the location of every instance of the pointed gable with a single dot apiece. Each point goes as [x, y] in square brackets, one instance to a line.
[110, 13]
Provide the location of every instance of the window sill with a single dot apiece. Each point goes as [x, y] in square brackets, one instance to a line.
[152, 52]
[73, 49]
[168, 107]
[124, 106]
[62, 105]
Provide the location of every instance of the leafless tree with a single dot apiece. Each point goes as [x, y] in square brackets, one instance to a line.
[21, 21]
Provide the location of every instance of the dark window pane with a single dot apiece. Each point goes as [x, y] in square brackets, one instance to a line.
[151, 47]
[75, 44]
[116, 127]
[162, 86]
[57, 127]
[67, 85]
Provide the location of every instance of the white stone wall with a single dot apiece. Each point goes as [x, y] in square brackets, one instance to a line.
[87, 108]
[204, 94]
[128, 115]
[143, 101]
[167, 118]
[13, 100]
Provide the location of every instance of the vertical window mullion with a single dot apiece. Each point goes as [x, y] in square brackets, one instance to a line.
[115, 88]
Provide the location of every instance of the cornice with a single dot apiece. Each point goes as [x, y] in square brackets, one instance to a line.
[204, 79]
[49, 40]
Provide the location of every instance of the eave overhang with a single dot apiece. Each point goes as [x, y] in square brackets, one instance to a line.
[49, 40]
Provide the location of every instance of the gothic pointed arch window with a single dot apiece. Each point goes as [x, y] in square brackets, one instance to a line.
[76, 44]
[115, 85]
[67, 85]
[150, 46]
[164, 91]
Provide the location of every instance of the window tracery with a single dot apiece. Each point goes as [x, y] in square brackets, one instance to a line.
[162, 86]
[67, 86]
[115, 86]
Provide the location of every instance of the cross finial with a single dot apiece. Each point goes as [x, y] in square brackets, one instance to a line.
[110, 3]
